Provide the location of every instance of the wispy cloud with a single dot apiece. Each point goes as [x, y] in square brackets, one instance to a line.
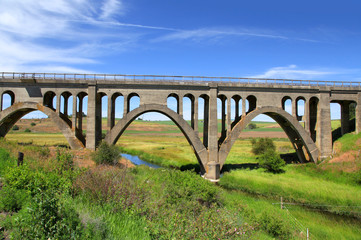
[293, 72]
[37, 34]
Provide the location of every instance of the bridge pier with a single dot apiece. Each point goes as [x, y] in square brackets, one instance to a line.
[91, 127]
[324, 131]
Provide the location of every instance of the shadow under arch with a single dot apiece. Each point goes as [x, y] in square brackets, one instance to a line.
[11, 115]
[199, 150]
[295, 132]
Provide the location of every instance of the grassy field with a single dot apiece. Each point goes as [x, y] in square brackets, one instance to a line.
[325, 198]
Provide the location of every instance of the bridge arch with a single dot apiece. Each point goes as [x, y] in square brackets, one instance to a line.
[295, 132]
[11, 115]
[191, 136]
[11, 95]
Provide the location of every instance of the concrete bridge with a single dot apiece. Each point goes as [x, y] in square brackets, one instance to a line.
[243, 98]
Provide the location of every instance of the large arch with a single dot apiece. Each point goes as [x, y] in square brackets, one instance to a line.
[11, 115]
[295, 132]
[193, 139]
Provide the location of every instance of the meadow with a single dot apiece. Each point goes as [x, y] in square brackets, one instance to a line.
[324, 198]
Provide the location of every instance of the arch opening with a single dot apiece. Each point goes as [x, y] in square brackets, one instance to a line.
[305, 148]
[133, 102]
[7, 99]
[203, 109]
[12, 115]
[188, 109]
[251, 103]
[173, 102]
[287, 104]
[186, 130]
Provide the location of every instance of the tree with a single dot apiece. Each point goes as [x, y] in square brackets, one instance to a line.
[252, 126]
[262, 145]
[271, 161]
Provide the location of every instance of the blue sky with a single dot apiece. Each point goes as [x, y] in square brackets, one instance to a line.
[261, 38]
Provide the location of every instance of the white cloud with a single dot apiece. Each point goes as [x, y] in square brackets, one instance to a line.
[42, 33]
[293, 72]
[207, 33]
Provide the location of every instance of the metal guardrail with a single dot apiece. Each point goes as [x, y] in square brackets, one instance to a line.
[165, 78]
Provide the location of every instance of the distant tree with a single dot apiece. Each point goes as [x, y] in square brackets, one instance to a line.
[27, 130]
[15, 127]
[252, 126]
[32, 124]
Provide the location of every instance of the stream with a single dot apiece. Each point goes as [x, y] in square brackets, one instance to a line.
[137, 161]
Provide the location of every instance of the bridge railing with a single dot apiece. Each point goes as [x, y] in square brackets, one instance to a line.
[165, 78]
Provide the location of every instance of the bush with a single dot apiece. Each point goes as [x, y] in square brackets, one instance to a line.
[47, 218]
[262, 145]
[271, 161]
[32, 124]
[274, 225]
[27, 130]
[15, 127]
[251, 126]
[106, 154]
[12, 200]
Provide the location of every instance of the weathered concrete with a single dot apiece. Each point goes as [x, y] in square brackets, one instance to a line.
[30, 92]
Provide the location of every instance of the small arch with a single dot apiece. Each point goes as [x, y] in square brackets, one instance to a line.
[236, 105]
[7, 99]
[287, 104]
[188, 108]
[252, 103]
[296, 133]
[300, 107]
[133, 102]
[173, 102]
[64, 97]
[48, 100]
[203, 109]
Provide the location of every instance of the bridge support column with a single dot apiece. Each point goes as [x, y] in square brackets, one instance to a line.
[180, 105]
[58, 97]
[91, 134]
[229, 120]
[358, 114]
[324, 132]
[306, 116]
[243, 107]
[73, 121]
[111, 113]
[345, 117]
[213, 171]
[195, 115]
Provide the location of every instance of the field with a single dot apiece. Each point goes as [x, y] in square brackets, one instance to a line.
[324, 198]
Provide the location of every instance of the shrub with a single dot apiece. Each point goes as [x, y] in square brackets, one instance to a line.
[47, 218]
[262, 145]
[271, 161]
[27, 130]
[15, 127]
[12, 200]
[274, 225]
[106, 154]
[32, 124]
[251, 126]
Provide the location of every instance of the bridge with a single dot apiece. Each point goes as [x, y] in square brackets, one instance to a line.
[242, 98]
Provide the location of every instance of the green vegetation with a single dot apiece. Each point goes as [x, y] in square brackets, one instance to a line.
[262, 145]
[111, 202]
[106, 154]
[15, 128]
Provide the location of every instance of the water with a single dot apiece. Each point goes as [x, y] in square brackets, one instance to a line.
[137, 161]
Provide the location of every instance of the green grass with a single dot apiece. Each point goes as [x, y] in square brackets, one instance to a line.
[296, 186]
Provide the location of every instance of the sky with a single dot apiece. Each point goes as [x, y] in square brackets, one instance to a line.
[317, 40]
